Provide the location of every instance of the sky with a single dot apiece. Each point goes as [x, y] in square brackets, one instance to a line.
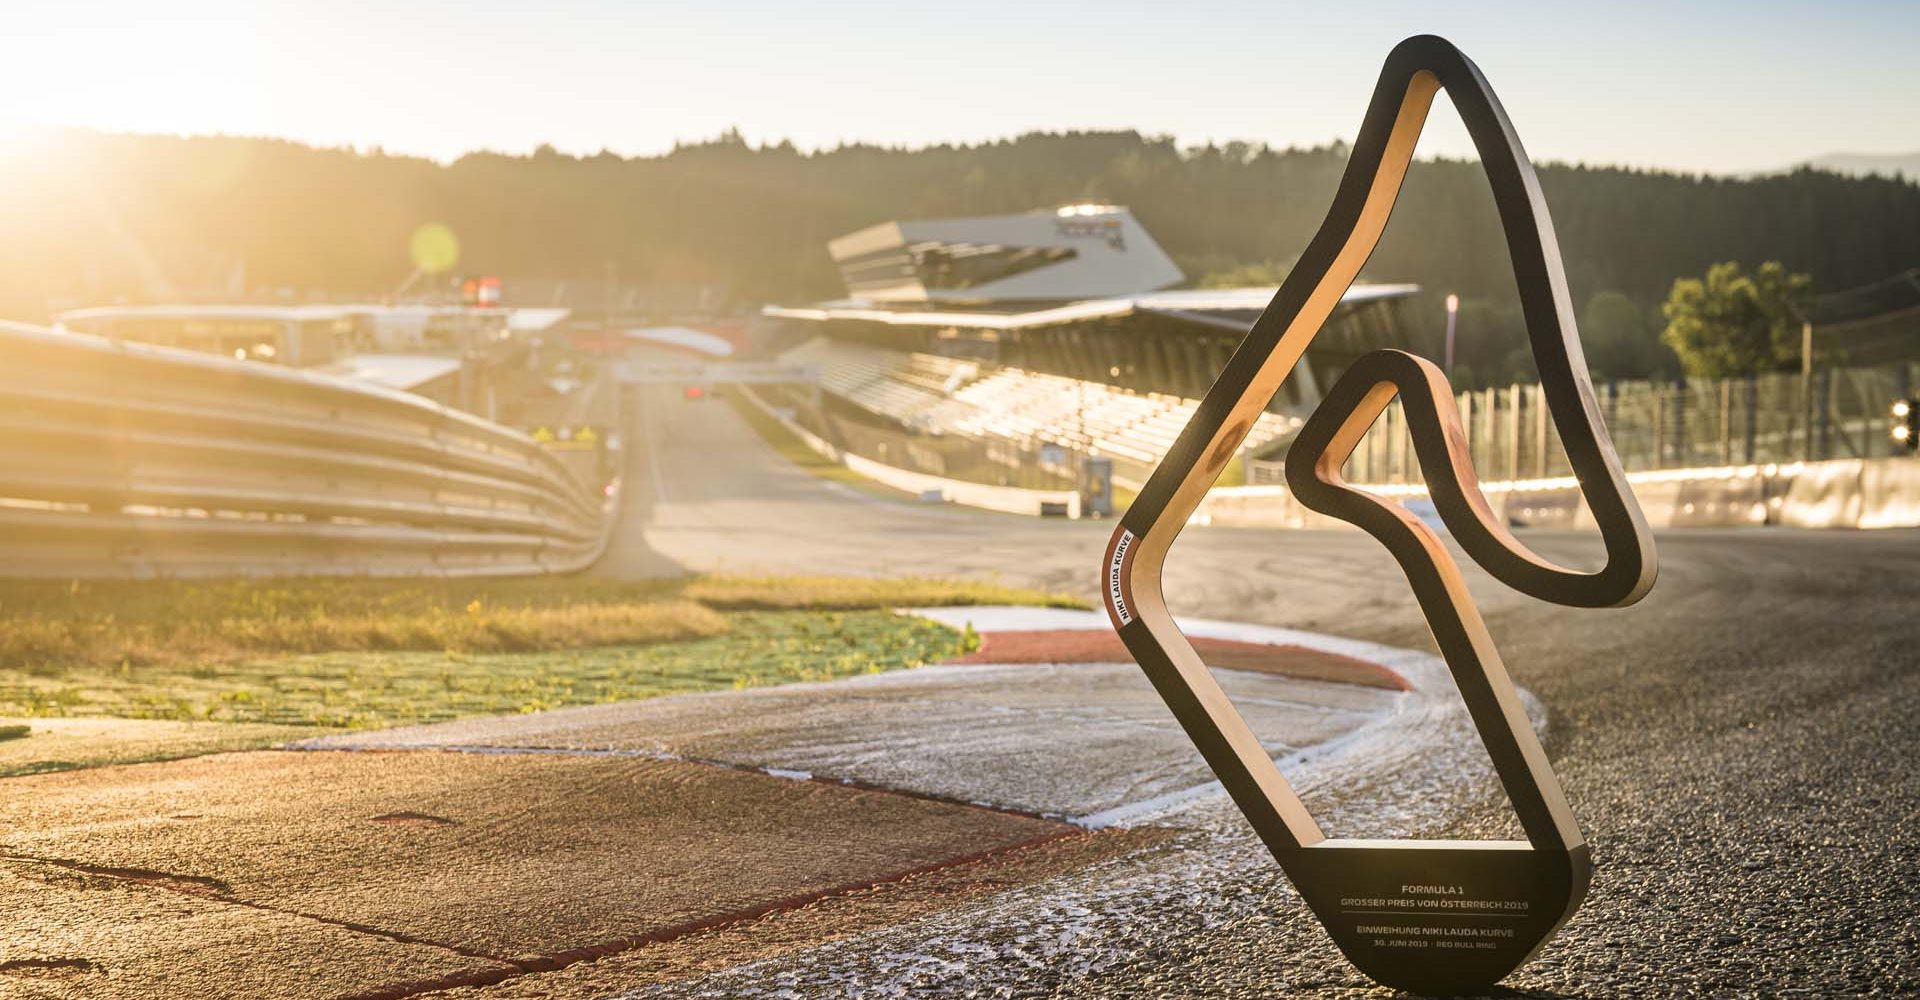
[1693, 86]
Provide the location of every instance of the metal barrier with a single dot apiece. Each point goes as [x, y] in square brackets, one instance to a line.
[121, 459]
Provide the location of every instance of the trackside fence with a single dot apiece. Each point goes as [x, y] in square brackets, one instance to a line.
[121, 459]
[1833, 414]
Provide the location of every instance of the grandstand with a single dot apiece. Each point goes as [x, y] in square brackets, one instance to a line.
[940, 396]
[1078, 292]
[1041, 333]
[300, 336]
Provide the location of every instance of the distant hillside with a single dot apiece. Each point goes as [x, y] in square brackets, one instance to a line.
[1863, 164]
[104, 218]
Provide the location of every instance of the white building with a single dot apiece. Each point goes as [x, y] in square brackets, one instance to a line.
[1076, 252]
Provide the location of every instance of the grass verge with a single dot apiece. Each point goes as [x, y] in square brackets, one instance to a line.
[849, 592]
[355, 653]
[361, 689]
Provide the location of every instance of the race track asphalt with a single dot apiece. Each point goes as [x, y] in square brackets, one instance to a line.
[1742, 748]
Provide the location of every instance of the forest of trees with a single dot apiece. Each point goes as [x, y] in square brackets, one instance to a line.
[104, 218]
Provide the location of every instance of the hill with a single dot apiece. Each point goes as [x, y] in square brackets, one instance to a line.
[99, 218]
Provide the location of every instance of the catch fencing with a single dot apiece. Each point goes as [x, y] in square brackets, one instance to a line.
[1835, 413]
[121, 459]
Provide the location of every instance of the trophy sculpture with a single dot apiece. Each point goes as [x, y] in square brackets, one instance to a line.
[1425, 916]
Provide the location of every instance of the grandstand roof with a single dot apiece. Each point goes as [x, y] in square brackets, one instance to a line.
[395, 371]
[262, 312]
[1234, 307]
[1053, 255]
[535, 320]
[519, 320]
[684, 338]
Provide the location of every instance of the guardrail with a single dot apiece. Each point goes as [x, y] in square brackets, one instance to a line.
[121, 459]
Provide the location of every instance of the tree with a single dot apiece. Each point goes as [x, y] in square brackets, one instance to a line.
[105, 218]
[1733, 323]
[1618, 344]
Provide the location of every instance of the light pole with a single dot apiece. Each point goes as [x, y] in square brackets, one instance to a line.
[1453, 313]
[1806, 381]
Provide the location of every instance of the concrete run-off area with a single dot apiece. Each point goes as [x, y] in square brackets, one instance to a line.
[1076, 741]
[634, 845]
[388, 874]
[1738, 744]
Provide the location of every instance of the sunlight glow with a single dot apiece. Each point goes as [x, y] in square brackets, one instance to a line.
[22, 145]
[434, 248]
[437, 78]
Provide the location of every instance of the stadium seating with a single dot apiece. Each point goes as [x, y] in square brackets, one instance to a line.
[938, 395]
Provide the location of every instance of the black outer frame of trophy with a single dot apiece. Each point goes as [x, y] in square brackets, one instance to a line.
[1425, 916]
